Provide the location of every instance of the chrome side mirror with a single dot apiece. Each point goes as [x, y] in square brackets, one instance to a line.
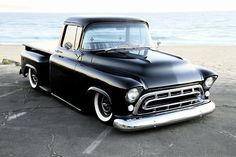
[68, 45]
[158, 43]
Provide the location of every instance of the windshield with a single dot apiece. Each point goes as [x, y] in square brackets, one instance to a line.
[116, 35]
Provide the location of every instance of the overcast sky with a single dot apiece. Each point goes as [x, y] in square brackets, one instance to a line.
[120, 6]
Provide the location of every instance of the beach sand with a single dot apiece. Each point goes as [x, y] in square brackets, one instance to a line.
[221, 59]
[11, 52]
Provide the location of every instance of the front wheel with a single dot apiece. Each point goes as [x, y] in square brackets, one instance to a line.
[103, 108]
[33, 78]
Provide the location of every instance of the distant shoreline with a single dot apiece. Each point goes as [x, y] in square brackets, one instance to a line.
[196, 28]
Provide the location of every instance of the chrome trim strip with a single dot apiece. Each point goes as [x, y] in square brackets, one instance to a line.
[44, 88]
[66, 102]
[134, 124]
[175, 109]
[156, 93]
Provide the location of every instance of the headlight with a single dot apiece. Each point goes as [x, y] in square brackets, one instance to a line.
[209, 82]
[132, 95]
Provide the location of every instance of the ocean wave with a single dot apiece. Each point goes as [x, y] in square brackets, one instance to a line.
[191, 28]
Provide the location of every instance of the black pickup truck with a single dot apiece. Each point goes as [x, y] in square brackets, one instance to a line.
[109, 64]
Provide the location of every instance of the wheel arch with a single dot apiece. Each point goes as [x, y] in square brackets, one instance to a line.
[26, 69]
[205, 72]
[93, 89]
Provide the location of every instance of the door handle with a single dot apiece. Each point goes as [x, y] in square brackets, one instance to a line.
[58, 51]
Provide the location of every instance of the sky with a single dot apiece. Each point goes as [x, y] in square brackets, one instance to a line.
[120, 6]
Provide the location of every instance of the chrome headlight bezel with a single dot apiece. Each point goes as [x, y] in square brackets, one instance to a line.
[132, 95]
[209, 81]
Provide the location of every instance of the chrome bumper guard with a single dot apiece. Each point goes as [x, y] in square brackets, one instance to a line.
[134, 124]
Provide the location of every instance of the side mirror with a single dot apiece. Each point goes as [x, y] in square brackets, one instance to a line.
[68, 45]
[158, 43]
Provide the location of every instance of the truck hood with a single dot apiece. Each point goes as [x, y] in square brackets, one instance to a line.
[158, 69]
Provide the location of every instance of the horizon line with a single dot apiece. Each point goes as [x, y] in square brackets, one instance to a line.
[210, 11]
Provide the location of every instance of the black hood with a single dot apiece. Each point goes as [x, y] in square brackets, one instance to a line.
[156, 69]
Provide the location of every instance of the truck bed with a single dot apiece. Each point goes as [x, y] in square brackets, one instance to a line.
[38, 48]
[36, 58]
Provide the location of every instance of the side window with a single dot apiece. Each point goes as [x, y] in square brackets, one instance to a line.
[78, 36]
[69, 36]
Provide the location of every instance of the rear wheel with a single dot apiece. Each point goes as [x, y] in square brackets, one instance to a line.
[33, 78]
[103, 108]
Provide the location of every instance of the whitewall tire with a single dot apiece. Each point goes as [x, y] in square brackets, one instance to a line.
[33, 78]
[103, 108]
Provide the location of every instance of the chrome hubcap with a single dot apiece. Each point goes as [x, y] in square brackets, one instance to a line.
[34, 78]
[105, 107]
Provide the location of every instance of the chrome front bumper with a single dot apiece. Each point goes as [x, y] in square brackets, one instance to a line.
[134, 124]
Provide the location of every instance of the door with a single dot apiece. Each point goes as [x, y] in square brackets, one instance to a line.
[63, 63]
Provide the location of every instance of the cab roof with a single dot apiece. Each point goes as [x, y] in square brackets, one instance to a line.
[88, 19]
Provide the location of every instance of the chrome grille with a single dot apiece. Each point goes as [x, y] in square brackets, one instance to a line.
[168, 100]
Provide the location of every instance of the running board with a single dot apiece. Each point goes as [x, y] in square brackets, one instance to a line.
[47, 89]
[66, 102]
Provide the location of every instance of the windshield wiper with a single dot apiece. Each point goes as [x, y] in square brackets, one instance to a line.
[119, 49]
[124, 51]
[110, 50]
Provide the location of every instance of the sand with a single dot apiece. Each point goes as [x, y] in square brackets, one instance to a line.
[221, 59]
[11, 52]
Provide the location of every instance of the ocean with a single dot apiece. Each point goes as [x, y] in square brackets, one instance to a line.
[191, 28]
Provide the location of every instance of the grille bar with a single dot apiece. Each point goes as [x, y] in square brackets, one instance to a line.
[170, 99]
[172, 104]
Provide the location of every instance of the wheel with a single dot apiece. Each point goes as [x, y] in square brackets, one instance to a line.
[103, 108]
[33, 78]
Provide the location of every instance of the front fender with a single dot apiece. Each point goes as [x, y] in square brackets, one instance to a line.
[113, 80]
[206, 72]
[113, 85]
